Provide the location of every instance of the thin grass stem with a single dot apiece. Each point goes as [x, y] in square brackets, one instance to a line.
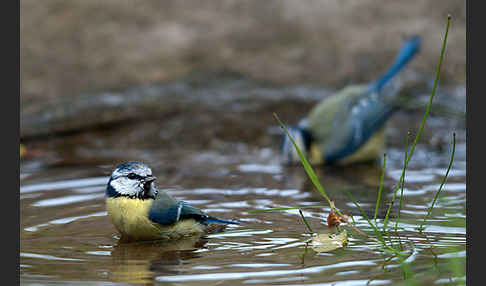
[424, 119]
[441, 184]
[402, 185]
[310, 172]
[377, 232]
[305, 222]
[380, 188]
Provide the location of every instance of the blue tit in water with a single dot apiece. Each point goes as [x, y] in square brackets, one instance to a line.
[348, 126]
[141, 212]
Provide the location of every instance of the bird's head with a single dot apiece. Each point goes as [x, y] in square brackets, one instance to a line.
[301, 138]
[133, 180]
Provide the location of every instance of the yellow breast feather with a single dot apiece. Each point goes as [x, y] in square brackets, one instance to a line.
[371, 150]
[130, 217]
[315, 155]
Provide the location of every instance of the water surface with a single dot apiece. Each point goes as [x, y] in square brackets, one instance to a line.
[67, 237]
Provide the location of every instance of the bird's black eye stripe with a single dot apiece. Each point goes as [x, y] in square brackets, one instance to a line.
[133, 176]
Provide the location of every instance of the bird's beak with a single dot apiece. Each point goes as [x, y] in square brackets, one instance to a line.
[147, 186]
[149, 179]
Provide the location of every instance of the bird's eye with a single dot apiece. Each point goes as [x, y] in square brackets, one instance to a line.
[132, 176]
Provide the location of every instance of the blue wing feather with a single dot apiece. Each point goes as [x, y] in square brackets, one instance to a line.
[174, 213]
[359, 129]
[219, 221]
[165, 214]
[165, 217]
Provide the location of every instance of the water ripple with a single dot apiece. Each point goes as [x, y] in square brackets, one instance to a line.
[271, 273]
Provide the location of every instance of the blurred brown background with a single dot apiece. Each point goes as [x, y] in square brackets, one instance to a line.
[68, 47]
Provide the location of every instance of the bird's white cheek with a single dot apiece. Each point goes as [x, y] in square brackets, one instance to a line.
[125, 187]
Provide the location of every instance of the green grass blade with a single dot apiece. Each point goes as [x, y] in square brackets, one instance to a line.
[441, 184]
[375, 229]
[436, 81]
[402, 185]
[424, 119]
[408, 275]
[307, 166]
[305, 222]
[380, 188]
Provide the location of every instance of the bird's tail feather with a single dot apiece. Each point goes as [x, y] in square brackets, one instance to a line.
[408, 50]
[220, 221]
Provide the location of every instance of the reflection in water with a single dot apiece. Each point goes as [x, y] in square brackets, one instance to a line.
[142, 262]
[67, 238]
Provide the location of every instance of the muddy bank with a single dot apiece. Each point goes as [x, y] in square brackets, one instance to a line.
[68, 48]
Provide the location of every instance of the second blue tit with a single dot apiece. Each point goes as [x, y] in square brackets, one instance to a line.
[348, 126]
